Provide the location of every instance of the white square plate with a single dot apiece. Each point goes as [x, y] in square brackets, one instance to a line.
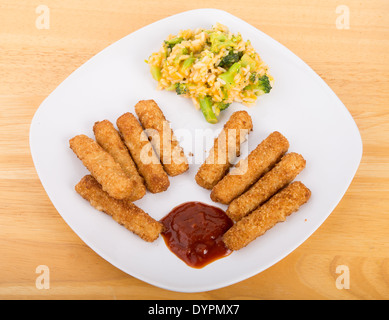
[300, 106]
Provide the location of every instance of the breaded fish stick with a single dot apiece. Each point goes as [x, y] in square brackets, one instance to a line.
[122, 211]
[165, 144]
[109, 138]
[265, 217]
[282, 174]
[249, 170]
[142, 153]
[226, 147]
[103, 167]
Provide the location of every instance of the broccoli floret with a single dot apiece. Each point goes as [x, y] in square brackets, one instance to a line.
[223, 106]
[219, 40]
[172, 42]
[156, 72]
[183, 51]
[220, 106]
[216, 39]
[230, 59]
[211, 111]
[263, 84]
[253, 77]
[247, 60]
[181, 88]
[188, 62]
[206, 108]
[229, 76]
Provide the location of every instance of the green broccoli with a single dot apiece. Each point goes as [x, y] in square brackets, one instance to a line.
[229, 76]
[253, 76]
[247, 60]
[220, 107]
[219, 41]
[206, 108]
[172, 42]
[182, 52]
[263, 84]
[156, 72]
[181, 88]
[188, 63]
[230, 59]
[223, 105]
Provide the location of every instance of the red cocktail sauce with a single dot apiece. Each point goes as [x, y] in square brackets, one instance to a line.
[193, 232]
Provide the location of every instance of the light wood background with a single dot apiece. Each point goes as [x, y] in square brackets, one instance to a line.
[355, 64]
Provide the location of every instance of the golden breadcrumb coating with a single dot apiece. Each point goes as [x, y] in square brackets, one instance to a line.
[249, 170]
[103, 167]
[122, 211]
[282, 174]
[225, 149]
[109, 139]
[265, 217]
[142, 153]
[163, 140]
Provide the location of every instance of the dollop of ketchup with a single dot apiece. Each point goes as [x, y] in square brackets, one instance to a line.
[193, 232]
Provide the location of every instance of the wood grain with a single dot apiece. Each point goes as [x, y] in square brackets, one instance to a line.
[353, 62]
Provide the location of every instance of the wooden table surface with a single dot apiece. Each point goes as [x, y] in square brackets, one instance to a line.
[354, 62]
